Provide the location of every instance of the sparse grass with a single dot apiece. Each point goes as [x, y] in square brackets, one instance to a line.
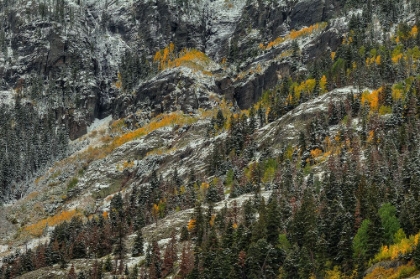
[160, 121]
[32, 195]
[53, 184]
[125, 165]
[93, 134]
[38, 179]
[73, 182]
[56, 174]
[81, 172]
[117, 126]
[103, 193]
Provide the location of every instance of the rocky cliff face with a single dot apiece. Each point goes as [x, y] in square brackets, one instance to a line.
[67, 58]
[150, 107]
[68, 61]
[75, 50]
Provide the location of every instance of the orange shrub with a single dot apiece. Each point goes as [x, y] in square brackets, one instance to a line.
[38, 228]
[294, 34]
[164, 120]
[166, 58]
[316, 152]
[191, 225]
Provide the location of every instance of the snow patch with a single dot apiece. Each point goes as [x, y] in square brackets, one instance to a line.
[6, 97]
[99, 123]
[3, 248]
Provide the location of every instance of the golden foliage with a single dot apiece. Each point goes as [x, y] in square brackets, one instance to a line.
[414, 31]
[323, 84]
[205, 185]
[295, 34]
[212, 219]
[373, 60]
[38, 228]
[403, 247]
[392, 273]
[385, 110]
[155, 210]
[372, 98]
[160, 121]
[256, 69]
[396, 58]
[371, 136]
[305, 87]
[316, 152]
[333, 274]
[191, 225]
[397, 92]
[167, 58]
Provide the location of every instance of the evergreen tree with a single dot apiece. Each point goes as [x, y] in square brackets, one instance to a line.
[72, 273]
[138, 244]
[108, 264]
[273, 221]
[389, 222]
[155, 269]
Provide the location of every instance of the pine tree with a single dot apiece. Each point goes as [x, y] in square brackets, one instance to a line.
[416, 255]
[108, 264]
[187, 261]
[212, 194]
[135, 273]
[72, 273]
[138, 244]
[79, 248]
[184, 234]
[259, 229]
[389, 222]
[273, 221]
[170, 256]
[155, 269]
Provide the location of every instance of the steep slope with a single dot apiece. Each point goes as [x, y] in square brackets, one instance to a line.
[75, 61]
[214, 139]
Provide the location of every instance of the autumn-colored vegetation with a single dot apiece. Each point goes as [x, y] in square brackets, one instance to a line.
[371, 98]
[125, 165]
[38, 228]
[167, 58]
[295, 34]
[160, 121]
[392, 273]
[404, 246]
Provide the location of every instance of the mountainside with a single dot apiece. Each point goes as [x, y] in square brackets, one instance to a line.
[209, 139]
